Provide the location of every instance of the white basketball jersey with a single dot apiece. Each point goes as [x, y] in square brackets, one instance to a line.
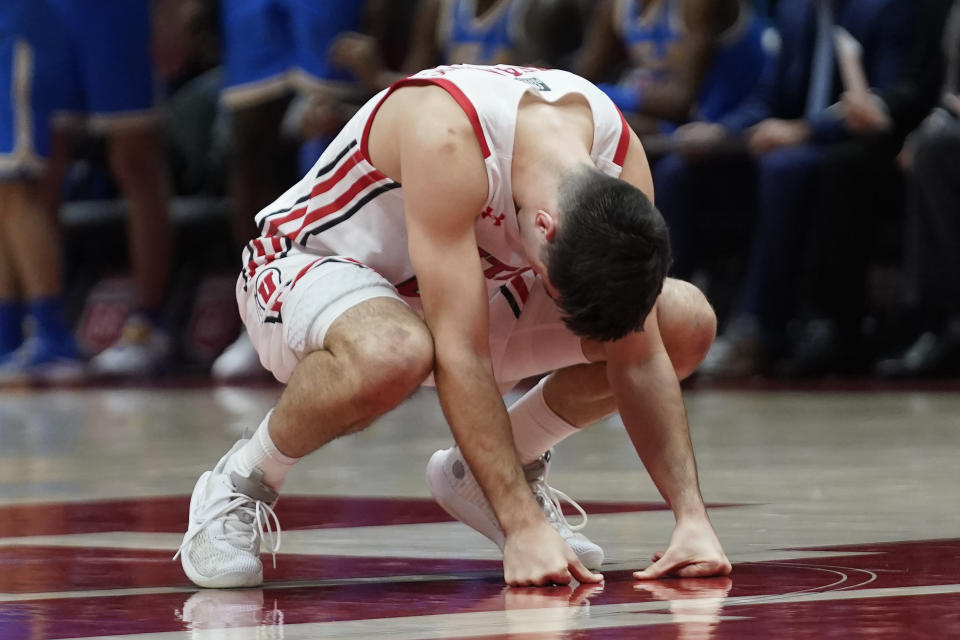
[345, 207]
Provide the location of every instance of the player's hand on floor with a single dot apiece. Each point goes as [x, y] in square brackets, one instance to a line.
[694, 552]
[538, 556]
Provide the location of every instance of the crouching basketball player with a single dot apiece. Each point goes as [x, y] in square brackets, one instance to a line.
[522, 241]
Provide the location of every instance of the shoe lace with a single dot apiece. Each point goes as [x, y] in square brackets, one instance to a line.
[245, 519]
[550, 501]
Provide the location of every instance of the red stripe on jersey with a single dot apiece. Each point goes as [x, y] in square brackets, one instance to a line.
[455, 92]
[321, 187]
[257, 250]
[342, 170]
[274, 224]
[624, 142]
[521, 288]
[364, 181]
[303, 271]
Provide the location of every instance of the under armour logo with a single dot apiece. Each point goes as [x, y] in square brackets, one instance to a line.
[497, 220]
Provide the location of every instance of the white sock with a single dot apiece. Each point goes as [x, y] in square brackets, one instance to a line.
[260, 452]
[536, 427]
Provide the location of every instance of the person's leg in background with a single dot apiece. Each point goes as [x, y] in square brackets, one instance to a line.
[858, 192]
[786, 180]
[707, 203]
[11, 306]
[261, 165]
[31, 249]
[932, 259]
[112, 43]
[678, 186]
[30, 246]
[262, 74]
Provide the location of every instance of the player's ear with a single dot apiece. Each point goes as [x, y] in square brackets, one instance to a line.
[545, 224]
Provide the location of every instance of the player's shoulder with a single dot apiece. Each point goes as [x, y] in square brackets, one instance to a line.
[429, 120]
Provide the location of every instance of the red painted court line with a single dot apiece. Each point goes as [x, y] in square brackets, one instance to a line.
[40, 569]
[168, 514]
[933, 616]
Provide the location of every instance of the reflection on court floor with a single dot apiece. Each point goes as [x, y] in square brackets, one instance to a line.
[837, 509]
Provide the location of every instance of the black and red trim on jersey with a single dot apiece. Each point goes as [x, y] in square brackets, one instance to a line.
[455, 92]
[331, 176]
[268, 283]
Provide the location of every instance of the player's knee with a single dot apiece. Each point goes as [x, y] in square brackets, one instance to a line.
[705, 331]
[688, 326]
[394, 365]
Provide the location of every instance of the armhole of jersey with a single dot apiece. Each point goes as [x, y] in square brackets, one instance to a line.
[447, 86]
[624, 143]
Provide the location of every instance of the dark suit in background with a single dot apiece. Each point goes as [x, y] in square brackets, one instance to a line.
[785, 181]
[860, 194]
[932, 239]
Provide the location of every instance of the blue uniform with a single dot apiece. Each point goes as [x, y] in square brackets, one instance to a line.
[112, 78]
[654, 39]
[466, 39]
[31, 83]
[266, 40]
[86, 56]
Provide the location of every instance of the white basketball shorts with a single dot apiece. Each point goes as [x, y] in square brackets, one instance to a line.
[289, 305]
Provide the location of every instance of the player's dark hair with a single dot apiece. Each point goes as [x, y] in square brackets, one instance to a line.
[609, 256]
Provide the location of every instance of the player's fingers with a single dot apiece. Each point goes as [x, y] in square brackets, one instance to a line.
[694, 570]
[658, 569]
[583, 574]
[703, 570]
[557, 577]
[655, 557]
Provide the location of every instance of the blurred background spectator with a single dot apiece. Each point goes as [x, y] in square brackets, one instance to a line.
[664, 60]
[273, 52]
[113, 93]
[31, 60]
[773, 129]
[932, 238]
[796, 141]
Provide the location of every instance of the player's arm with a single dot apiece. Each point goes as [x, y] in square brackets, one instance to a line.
[601, 47]
[675, 100]
[424, 49]
[648, 396]
[445, 186]
[360, 53]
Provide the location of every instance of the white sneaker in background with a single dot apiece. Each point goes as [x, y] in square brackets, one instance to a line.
[238, 361]
[143, 349]
[456, 490]
[229, 516]
[39, 360]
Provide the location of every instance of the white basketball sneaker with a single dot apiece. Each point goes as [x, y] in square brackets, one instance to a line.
[453, 486]
[229, 515]
[143, 349]
[238, 361]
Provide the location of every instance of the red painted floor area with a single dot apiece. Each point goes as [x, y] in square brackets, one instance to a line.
[769, 596]
[168, 514]
[803, 473]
